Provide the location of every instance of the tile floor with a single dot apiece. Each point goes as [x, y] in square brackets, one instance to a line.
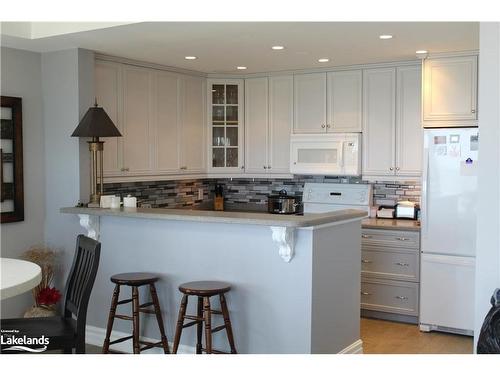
[384, 337]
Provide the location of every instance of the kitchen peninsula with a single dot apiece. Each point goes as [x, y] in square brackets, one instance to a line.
[295, 277]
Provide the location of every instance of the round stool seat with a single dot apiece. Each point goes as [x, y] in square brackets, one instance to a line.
[134, 278]
[204, 288]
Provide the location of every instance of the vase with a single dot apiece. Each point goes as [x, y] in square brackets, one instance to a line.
[41, 311]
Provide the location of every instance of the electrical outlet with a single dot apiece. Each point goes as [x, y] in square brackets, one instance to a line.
[200, 194]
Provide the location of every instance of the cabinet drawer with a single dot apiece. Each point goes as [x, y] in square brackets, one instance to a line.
[389, 296]
[390, 238]
[390, 264]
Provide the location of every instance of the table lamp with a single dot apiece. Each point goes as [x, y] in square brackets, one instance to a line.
[96, 123]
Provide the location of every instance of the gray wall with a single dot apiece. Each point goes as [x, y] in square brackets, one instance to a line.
[67, 91]
[488, 225]
[21, 76]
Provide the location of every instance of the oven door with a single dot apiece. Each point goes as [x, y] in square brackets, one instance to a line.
[316, 154]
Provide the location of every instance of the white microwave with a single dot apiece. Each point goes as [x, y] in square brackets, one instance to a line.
[326, 154]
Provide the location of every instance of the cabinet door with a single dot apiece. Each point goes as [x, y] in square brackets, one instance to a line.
[108, 92]
[450, 88]
[136, 112]
[409, 133]
[167, 135]
[193, 125]
[256, 125]
[280, 123]
[226, 125]
[378, 121]
[310, 103]
[344, 101]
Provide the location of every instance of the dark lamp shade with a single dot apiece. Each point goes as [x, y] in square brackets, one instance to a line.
[96, 123]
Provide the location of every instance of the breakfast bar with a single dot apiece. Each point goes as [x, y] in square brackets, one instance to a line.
[295, 278]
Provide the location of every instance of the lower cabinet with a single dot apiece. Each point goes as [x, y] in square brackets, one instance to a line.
[390, 269]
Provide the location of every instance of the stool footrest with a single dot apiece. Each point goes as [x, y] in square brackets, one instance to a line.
[194, 317]
[124, 317]
[219, 328]
[216, 312]
[146, 304]
[150, 345]
[189, 324]
[120, 340]
[124, 301]
[115, 352]
[146, 311]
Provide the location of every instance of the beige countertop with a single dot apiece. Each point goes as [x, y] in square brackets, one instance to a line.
[374, 223]
[229, 217]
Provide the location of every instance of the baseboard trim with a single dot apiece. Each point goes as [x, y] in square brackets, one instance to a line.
[95, 336]
[355, 348]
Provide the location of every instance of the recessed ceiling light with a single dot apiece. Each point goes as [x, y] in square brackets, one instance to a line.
[277, 48]
[323, 60]
[421, 51]
[241, 67]
[190, 57]
[385, 36]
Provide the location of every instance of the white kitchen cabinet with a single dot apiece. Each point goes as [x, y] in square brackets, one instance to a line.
[409, 132]
[392, 132]
[137, 153]
[226, 125]
[379, 122]
[310, 103]
[193, 125]
[450, 91]
[344, 107]
[167, 121]
[108, 92]
[328, 102]
[268, 122]
[256, 125]
[280, 123]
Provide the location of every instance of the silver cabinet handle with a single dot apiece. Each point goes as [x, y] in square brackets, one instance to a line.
[365, 236]
[473, 111]
[265, 167]
[323, 126]
[328, 126]
[184, 168]
[397, 168]
[366, 294]
[402, 239]
[125, 169]
[242, 167]
[391, 168]
[294, 163]
[366, 261]
[268, 167]
[401, 264]
[403, 298]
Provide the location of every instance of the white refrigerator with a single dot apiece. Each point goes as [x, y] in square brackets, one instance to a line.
[448, 227]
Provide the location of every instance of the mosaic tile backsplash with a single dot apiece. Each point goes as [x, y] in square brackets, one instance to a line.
[181, 193]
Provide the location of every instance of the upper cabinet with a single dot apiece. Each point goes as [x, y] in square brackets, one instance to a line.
[344, 109]
[268, 123]
[225, 123]
[450, 91]
[392, 134]
[161, 117]
[328, 102]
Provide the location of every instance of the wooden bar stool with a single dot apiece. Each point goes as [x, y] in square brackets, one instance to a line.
[135, 280]
[204, 290]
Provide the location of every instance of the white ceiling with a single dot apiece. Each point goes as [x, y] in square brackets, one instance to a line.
[221, 46]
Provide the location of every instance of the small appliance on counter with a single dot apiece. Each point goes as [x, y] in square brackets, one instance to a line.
[282, 203]
[385, 212]
[406, 210]
[219, 198]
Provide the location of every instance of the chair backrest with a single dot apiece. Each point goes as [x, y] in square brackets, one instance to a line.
[81, 279]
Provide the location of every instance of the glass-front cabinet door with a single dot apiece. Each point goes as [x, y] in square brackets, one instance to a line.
[225, 116]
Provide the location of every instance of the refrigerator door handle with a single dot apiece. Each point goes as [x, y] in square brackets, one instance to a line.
[425, 191]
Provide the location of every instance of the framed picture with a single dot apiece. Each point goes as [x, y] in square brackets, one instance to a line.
[11, 160]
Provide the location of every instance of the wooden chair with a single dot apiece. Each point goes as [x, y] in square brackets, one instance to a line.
[66, 331]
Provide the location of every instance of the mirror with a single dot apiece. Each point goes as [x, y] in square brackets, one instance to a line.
[11, 160]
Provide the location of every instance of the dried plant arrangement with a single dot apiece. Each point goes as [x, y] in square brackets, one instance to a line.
[45, 295]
